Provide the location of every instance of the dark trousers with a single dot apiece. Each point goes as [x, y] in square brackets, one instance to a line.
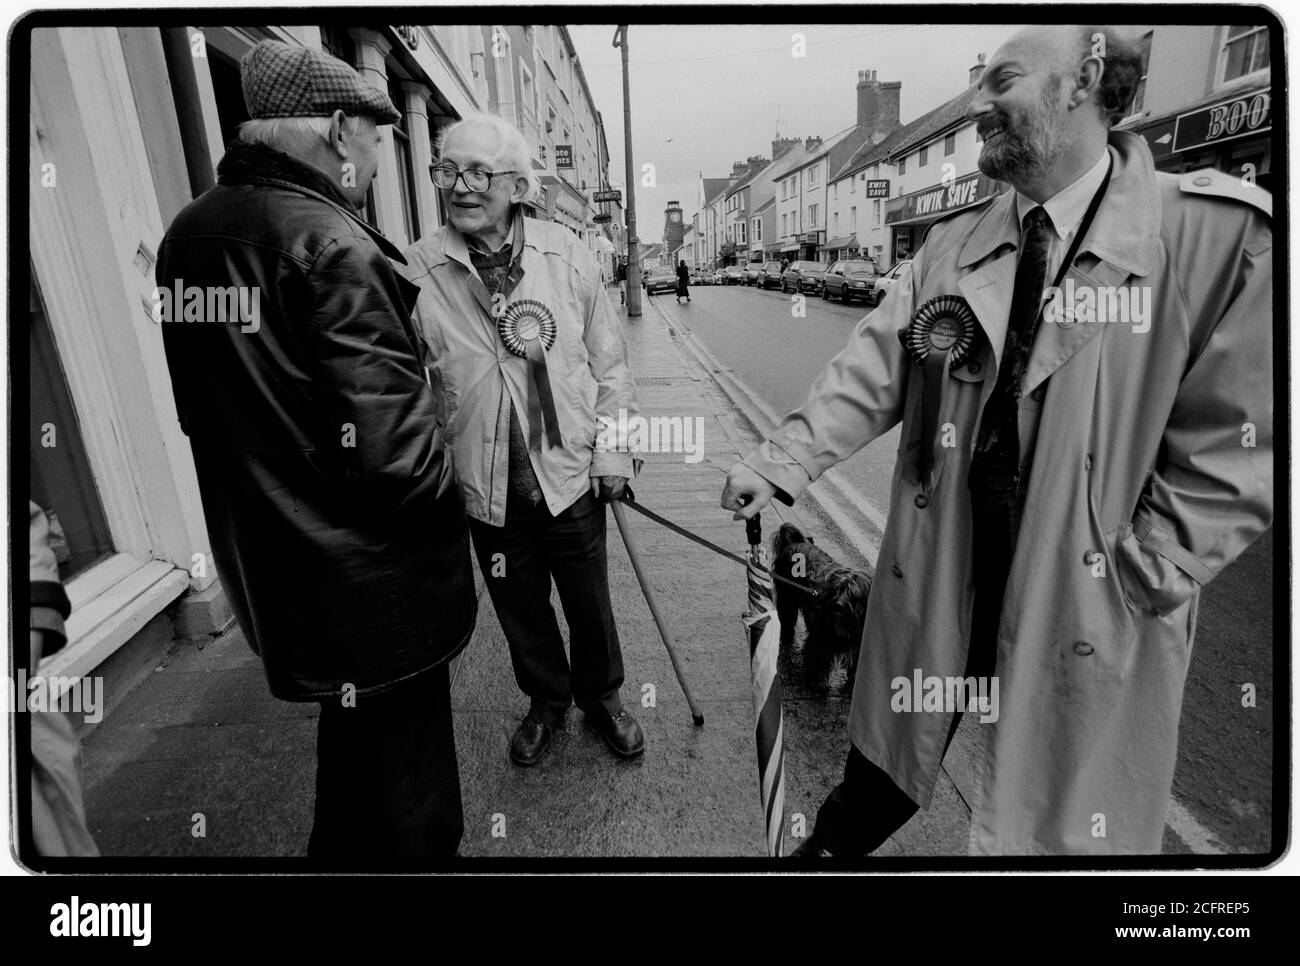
[387, 783]
[867, 807]
[536, 547]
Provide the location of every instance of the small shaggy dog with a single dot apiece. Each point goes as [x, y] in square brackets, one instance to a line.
[834, 616]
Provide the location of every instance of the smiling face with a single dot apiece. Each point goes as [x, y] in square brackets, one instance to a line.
[1021, 109]
[481, 215]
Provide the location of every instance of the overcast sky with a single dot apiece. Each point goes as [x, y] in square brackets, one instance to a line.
[705, 96]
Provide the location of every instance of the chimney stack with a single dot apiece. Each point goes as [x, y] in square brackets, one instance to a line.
[887, 122]
[977, 70]
[877, 105]
[782, 145]
[868, 99]
[811, 143]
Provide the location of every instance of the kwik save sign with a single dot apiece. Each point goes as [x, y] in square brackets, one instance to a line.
[940, 199]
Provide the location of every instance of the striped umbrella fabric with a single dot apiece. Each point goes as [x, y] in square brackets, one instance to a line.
[764, 631]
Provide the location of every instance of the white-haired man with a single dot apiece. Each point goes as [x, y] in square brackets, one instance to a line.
[530, 365]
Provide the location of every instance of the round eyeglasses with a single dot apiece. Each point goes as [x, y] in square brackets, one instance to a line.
[446, 175]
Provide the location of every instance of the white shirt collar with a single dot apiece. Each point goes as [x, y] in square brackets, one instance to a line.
[1066, 208]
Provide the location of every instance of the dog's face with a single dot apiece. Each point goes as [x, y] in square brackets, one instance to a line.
[848, 602]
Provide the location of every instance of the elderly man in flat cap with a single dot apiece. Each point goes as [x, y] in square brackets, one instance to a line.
[335, 523]
[530, 363]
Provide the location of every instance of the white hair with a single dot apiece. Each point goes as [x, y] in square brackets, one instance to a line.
[512, 152]
[298, 136]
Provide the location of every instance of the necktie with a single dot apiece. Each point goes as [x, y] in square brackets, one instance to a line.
[999, 436]
[995, 468]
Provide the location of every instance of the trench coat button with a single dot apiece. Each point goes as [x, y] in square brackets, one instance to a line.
[1082, 648]
[1201, 182]
[973, 367]
[1089, 556]
[1087, 462]
[1038, 394]
[898, 571]
[921, 501]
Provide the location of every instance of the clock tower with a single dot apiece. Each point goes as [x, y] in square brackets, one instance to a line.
[674, 231]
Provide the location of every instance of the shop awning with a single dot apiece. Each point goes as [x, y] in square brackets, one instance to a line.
[847, 241]
[792, 247]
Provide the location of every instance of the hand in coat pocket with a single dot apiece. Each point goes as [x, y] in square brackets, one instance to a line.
[1151, 582]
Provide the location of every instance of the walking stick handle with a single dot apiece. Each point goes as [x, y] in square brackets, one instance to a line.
[754, 530]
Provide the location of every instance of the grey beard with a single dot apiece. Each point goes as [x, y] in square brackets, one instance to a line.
[1015, 161]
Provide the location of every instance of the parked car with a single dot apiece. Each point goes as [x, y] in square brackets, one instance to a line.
[802, 276]
[660, 280]
[883, 284]
[719, 278]
[701, 277]
[850, 279]
[771, 275]
[753, 273]
[735, 274]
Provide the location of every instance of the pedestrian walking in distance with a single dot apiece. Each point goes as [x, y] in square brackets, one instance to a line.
[1071, 473]
[333, 513]
[683, 282]
[528, 358]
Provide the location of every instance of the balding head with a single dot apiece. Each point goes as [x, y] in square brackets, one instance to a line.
[1046, 102]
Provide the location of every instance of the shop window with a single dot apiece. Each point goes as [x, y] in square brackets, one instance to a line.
[405, 171]
[902, 165]
[923, 157]
[61, 480]
[949, 143]
[229, 92]
[1244, 51]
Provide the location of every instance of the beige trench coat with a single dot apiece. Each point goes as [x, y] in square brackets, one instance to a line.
[1153, 470]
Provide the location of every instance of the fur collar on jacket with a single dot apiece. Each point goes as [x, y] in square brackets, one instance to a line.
[247, 161]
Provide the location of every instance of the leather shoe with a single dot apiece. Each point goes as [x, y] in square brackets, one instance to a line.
[810, 848]
[622, 734]
[532, 738]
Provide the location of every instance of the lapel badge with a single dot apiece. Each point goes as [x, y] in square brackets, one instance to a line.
[943, 324]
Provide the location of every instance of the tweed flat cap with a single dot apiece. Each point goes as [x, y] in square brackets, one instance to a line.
[285, 80]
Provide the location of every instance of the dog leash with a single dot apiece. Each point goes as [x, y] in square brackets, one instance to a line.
[630, 500]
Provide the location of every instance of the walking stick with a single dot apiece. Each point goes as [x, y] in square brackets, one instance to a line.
[696, 715]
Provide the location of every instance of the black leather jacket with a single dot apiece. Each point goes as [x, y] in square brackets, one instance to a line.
[336, 527]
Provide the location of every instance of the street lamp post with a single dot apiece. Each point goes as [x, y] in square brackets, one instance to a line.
[633, 244]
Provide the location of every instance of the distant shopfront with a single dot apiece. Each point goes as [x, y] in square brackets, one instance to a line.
[1232, 134]
[909, 215]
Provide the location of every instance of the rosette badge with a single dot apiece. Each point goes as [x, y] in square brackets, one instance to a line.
[943, 324]
[524, 322]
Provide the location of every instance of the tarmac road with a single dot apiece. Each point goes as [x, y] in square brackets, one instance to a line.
[1223, 786]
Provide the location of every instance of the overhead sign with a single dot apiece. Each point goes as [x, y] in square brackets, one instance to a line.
[601, 218]
[564, 155]
[1248, 114]
[609, 194]
[942, 198]
[878, 188]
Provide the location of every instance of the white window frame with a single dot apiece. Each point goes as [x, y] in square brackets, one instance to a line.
[1245, 79]
[93, 243]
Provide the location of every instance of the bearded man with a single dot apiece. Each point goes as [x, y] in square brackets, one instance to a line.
[1071, 473]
